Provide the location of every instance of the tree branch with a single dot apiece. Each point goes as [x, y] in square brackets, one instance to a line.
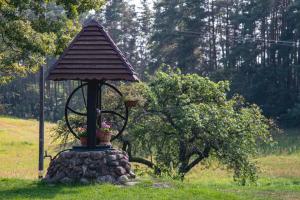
[9, 44]
[127, 147]
[142, 161]
[201, 156]
[166, 116]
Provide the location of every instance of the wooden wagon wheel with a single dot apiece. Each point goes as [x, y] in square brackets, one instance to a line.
[123, 117]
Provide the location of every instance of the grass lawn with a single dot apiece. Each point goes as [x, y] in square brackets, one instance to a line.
[279, 173]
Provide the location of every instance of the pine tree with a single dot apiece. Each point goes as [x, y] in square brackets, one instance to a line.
[145, 30]
[120, 19]
[173, 42]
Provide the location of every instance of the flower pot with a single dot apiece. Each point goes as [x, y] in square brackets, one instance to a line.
[131, 103]
[103, 137]
[83, 141]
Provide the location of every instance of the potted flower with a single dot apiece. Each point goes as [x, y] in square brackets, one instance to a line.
[83, 136]
[104, 134]
[130, 101]
[131, 95]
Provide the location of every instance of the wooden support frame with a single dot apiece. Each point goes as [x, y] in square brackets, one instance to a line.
[92, 113]
[41, 124]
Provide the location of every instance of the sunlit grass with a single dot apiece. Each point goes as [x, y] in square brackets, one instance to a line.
[286, 142]
[19, 147]
[279, 173]
[281, 166]
[20, 189]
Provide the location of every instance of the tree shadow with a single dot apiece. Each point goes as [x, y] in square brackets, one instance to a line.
[36, 190]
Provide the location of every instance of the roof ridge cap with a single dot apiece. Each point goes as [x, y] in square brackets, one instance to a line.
[91, 22]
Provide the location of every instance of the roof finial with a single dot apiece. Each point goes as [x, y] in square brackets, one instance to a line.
[91, 22]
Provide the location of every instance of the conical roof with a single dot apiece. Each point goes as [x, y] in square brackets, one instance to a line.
[92, 55]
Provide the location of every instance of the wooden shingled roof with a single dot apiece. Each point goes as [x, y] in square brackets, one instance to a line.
[92, 55]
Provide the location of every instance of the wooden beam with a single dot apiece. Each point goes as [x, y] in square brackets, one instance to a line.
[92, 113]
[41, 124]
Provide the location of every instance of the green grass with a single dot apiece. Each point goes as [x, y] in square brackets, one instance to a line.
[279, 173]
[16, 189]
[267, 189]
[287, 142]
[19, 147]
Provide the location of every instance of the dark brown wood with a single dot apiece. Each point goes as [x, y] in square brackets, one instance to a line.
[90, 66]
[90, 62]
[92, 113]
[91, 42]
[92, 71]
[100, 57]
[92, 33]
[113, 77]
[91, 52]
[91, 47]
[91, 28]
[92, 38]
[41, 124]
[92, 55]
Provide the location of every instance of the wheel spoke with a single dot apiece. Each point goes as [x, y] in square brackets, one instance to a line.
[114, 113]
[78, 113]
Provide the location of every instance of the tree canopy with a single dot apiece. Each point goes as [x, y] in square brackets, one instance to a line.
[30, 30]
[188, 118]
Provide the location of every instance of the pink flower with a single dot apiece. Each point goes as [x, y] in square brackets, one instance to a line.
[81, 129]
[105, 125]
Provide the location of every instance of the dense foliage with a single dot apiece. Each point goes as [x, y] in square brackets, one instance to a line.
[183, 119]
[188, 118]
[31, 30]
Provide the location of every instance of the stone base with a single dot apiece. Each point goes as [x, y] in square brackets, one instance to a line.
[110, 166]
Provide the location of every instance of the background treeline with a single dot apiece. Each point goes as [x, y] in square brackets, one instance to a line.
[253, 43]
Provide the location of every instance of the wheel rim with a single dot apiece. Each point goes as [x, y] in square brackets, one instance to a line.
[123, 117]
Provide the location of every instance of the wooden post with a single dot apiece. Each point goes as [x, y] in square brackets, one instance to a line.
[41, 124]
[91, 113]
[99, 105]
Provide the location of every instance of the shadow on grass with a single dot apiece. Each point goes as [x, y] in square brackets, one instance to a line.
[15, 189]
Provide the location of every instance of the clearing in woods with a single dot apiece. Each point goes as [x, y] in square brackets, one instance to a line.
[279, 173]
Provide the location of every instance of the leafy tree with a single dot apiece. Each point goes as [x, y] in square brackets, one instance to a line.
[30, 30]
[188, 118]
[183, 119]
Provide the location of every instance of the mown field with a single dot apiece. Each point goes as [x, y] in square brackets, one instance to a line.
[279, 173]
